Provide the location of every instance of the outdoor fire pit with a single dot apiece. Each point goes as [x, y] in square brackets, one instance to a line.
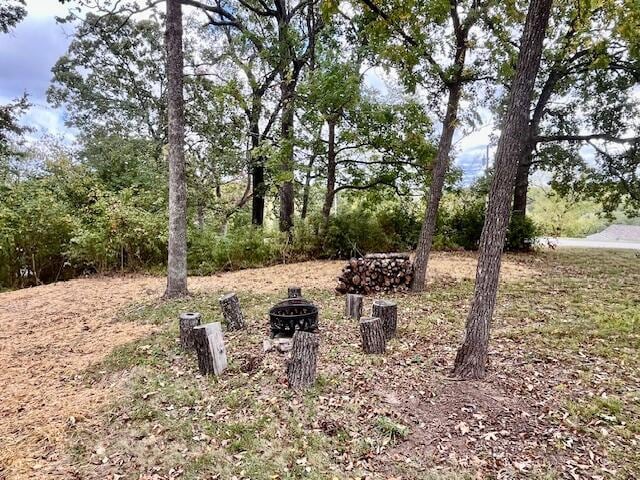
[293, 314]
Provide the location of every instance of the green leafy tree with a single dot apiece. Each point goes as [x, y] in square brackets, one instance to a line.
[435, 44]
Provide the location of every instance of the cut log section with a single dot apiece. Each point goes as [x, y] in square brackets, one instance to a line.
[294, 292]
[301, 367]
[353, 306]
[373, 340]
[209, 345]
[188, 320]
[387, 312]
[231, 311]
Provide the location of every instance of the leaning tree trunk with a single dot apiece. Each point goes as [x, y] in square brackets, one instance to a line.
[177, 261]
[301, 368]
[188, 321]
[231, 311]
[387, 312]
[428, 230]
[372, 333]
[471, 359]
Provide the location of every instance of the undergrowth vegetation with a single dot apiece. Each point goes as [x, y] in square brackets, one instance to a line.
[73, 220]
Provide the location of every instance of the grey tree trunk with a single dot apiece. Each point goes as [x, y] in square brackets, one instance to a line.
[428, 230]
[372, 333]
[231, 311]
[521, 189]
[471, 359]
[188, 321]
[177, 261]
[307, 187]
[301, 368]
[331, 172]
[387, 312]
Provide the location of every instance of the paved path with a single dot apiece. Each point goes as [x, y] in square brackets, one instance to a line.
[584, 243]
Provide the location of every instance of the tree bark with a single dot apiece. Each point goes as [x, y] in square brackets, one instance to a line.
[231, 311]
[353, 305]
[331, 172]
[209, 346]
[177, 261]
[521, 189]
[286, 162]
[188, 321]
[372, 332]
[387, 312]
[257, 170]
[435, 190]
[471, 359]
[301, 368]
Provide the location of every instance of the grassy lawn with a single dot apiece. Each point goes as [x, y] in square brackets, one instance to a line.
[562, 398]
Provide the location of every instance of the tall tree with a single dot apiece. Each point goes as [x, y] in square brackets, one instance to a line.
[471, 359]
[177, 261]
[286, 33]
[12, 12]
[587, 75]
[420, 60]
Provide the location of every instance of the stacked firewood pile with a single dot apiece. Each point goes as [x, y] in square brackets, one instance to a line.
[376, 272]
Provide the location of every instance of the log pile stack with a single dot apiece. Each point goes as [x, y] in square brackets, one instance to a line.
[377, 272]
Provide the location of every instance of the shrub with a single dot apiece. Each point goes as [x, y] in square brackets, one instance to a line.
[35, 230]
[242, 247]
[521, 234]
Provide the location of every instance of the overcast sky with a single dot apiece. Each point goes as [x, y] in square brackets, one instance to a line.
[28, 53]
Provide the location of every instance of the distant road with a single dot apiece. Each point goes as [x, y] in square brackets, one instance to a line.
[584, 243]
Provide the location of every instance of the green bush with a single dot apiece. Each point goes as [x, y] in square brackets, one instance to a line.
[462, 228]
[242, 247]
[521, 234]
[35, 230]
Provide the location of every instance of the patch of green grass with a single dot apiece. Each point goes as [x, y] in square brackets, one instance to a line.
[392, 430]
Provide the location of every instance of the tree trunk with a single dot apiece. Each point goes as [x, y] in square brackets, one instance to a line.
[294, 292]
[177, 261]
[387, 312]
[231, 311]
[286, 162]
[307, 187]
[188, 321]
[331, 172]
[301, 368]
[209, 345]
[471, 359]
[257, 172]
[522, 185]
[435, 190]
[372, 332]
[353, 305]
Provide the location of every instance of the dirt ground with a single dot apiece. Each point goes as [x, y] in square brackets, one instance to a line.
[51, 334]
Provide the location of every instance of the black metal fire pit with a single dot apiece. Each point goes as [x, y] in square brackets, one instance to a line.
[293, 314]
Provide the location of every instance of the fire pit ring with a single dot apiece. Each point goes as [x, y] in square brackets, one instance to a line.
[293, 314]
